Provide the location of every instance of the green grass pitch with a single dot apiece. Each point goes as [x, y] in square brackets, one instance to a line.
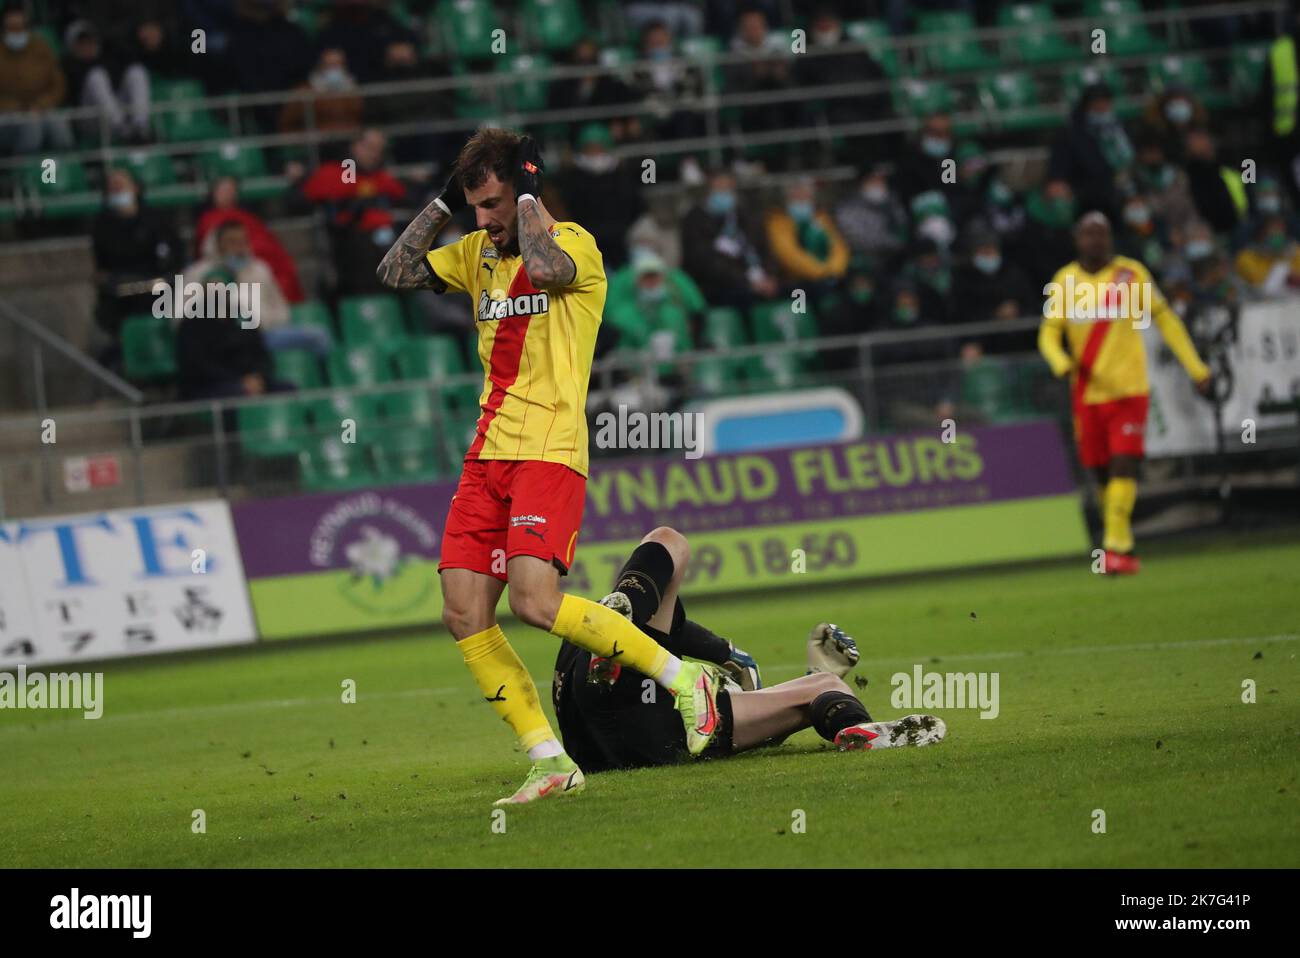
[1120, 695]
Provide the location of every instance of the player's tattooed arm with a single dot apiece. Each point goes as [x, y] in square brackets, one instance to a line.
[404, 266]
[546, 264]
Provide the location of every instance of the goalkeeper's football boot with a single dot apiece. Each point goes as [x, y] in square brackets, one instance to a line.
[548, 778]
[620, 603]
[910, 730]
[831, 649]
[695, 694]
[1120, 563]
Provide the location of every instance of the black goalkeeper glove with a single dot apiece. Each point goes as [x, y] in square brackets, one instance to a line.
[529, 169]
[452, 197]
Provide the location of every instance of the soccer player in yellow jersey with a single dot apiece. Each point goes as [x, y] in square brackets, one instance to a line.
[538, 290]
[1098, 305]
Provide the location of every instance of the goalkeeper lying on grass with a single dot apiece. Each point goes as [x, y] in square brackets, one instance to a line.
[614, 717]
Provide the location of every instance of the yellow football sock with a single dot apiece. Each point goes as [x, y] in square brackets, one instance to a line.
[507, 685]
[1121, 494]
[601, 631]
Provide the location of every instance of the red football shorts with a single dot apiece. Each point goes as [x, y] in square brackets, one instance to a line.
[505, 508]
[1107, 429]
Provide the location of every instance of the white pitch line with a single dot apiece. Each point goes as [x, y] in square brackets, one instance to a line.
[196, 711]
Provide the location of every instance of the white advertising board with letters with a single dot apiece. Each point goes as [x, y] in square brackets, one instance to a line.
[1265, 362]
[121, 582]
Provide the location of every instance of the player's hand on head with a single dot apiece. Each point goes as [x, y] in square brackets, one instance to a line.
[453, 194]
[1206, 387]
[529, 169]
[743, 669]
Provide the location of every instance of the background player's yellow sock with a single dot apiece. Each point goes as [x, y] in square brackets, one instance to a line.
[1120, 496]
[601, 631]
[507, 685]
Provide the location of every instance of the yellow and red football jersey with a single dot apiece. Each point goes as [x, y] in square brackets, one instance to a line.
[1101, 317]
[535, 345]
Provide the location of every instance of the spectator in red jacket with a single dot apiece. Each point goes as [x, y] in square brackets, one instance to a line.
[357, 194]
[223, 207]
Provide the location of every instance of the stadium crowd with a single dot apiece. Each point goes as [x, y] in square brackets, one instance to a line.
[931, 230]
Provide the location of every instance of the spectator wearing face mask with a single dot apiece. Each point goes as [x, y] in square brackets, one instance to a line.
[929, 271]
[1046, 241]
[1266, 200]
[359, 211]
[909, 310]
[921, 168]
[333, 102]
[805, 242]
[1141, 236]
[871, 219]
[660, 80]
[230, 258]
[724, 247]
[223, 207]
[133, 246]
[32, 86]
[932, 219]
[1182, 262]
[832, 60]
[1171, 116]
[363, 30]
[969, 195]
[1270, 265]
[1093, 152]
[600, 192]
[653, 308]
[853, 308]
[763, 65]
[990, 286]
[594, 90]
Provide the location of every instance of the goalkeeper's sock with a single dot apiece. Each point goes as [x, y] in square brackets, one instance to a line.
[1121, 495]
[644, 578]
[507, 685]
[832, 712]
[603, 632]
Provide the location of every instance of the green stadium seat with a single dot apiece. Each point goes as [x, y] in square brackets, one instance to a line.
[617, 57]
[777, 322]
[430, 357]
[1189, 73]
[362, 365]
[530, 91]
[1076, 79]
[329, 463]
[404, 455]
[273, 428]
[1247, 67]
[233, 158]
[1126, 36]
[921, 98]
[1014, 98]
[312, 313]
[723, 328]
[716, 376]
[950, 43]
[1037, 39]
[776, 370]
[875, 36]
[61, 189]
[299, 367]
[179, 120]
[148, 349]
[553, 24]
[467, 27]
[409, 407]
[371, 319]
[150, 168]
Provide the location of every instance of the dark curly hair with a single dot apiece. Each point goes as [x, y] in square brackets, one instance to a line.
[490, 150]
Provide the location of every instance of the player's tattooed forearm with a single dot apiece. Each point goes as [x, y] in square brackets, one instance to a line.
[403, 266]
[546, 264]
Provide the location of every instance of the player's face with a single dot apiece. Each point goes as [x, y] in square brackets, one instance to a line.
[1094, 242]
[494, 210]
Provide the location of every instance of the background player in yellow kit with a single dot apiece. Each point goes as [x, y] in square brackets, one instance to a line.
[1098, 305]
[538, 290]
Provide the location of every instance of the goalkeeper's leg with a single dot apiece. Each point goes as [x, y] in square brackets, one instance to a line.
[824, 702]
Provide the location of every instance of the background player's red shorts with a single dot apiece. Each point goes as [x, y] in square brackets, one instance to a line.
[505, 508]
[1107, 429]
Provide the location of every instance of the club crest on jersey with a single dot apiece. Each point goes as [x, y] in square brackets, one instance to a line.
[1123, 298]
[525, 304]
